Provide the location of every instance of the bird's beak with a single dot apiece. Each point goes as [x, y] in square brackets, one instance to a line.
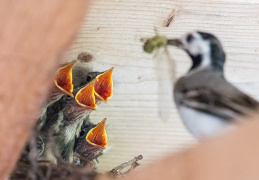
[63, 78]
[103, 85]
[85, 96]
[175, 42]
[97, 135]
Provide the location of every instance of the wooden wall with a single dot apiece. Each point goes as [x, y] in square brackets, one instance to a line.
[112, 30]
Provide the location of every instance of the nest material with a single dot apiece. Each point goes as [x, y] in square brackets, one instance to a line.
[29, 168]
[47, 171]
[32, 170]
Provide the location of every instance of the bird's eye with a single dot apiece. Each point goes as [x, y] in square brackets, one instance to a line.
[189, 38]
[82, 133]
[88, 78]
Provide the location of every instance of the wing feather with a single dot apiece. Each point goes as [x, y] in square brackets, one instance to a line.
[212, 94]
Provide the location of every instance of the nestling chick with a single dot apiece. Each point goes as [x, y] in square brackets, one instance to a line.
[66, 116]
[92, 140]
[63, 87]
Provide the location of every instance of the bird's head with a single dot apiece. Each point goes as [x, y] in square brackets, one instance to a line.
[95, 84]
[92, 140]
[85, 96]
[204, 49]
[97, 135]
[104, 85]
[63, 79]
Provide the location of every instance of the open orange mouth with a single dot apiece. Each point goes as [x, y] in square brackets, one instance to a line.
[97, 135]
[85, 96]
[63, 79]
[103, 85]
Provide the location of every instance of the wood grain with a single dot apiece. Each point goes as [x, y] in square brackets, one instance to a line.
[34, 37]
[112, 32]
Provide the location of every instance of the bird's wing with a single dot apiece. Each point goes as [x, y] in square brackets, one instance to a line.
[217, 97]
[212, 102]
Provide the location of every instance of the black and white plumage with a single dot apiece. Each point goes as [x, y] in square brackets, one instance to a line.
[206, 101]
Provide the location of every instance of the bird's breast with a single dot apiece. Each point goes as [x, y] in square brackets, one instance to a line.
[202, 125]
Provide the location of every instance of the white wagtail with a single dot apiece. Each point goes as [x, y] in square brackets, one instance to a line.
[206, 101]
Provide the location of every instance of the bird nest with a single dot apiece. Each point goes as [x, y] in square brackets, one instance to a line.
[30, 168]
[65, 144]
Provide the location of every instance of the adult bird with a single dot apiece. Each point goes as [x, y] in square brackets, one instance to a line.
[206, 101]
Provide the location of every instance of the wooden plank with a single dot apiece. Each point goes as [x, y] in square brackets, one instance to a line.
[34, 37]
[112, 32]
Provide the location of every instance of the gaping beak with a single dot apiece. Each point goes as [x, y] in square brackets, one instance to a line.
[175, 42]
[97, 135]
[63, 79]
[85, 96]
[103, 85]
